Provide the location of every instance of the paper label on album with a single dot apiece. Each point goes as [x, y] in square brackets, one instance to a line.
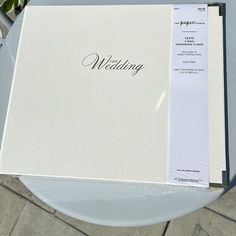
[188, 142]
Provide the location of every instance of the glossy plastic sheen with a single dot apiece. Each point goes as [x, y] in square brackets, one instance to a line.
[119, 204]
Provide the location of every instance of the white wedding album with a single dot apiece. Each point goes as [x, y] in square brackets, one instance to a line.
[132, 93]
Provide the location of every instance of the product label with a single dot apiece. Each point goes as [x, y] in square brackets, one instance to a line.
[188, 122]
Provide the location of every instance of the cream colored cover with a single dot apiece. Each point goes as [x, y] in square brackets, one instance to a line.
[90, 94]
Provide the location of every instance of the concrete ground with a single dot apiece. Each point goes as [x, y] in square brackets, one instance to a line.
[23, 214]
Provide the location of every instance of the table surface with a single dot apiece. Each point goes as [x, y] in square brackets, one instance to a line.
[126, 204]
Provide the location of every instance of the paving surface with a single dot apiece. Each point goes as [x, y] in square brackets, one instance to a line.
[23, 214]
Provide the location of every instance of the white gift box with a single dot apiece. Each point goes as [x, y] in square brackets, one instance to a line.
[117, 93]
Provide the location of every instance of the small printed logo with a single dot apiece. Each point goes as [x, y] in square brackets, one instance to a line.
[188, 23]
[95, 62]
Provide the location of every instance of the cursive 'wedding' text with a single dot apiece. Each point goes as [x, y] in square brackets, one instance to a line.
[94, 61]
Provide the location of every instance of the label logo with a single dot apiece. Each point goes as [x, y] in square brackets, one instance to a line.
[187, 23]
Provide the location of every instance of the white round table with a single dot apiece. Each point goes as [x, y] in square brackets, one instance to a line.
[121, 204]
